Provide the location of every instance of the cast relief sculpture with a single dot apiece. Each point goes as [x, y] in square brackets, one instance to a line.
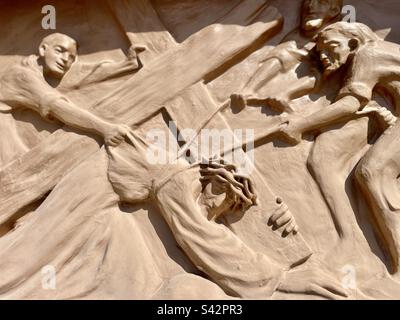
[93, 198]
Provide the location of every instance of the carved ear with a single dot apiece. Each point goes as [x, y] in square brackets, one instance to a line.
[42, 50]
[353, 44]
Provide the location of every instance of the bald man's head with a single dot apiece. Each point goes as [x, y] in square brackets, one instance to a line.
[58, 52]
[316, 13]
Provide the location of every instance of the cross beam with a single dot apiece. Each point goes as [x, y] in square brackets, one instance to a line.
[35, 173]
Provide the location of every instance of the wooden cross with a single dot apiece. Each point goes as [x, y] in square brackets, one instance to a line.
[165, 76]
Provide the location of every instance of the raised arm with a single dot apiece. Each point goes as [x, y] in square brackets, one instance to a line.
[105, 70]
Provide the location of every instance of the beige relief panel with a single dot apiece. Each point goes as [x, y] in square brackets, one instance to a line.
[187, 149]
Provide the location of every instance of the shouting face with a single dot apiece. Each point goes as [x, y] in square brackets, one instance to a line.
[317, 12]
[334, 50]
[58, 53]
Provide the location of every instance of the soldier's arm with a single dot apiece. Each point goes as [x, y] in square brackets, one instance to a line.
[340, 110]
[24, 87]
[353, 97]
[57, 106]
[295, 126]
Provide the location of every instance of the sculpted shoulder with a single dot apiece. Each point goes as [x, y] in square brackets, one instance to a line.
[23, 72]
[379, 50]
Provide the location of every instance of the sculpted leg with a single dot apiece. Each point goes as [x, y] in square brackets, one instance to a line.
[377, 175]
[330, 163]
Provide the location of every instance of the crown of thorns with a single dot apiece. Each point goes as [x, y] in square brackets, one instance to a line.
[240, 186]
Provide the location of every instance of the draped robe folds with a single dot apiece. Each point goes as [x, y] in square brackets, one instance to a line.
[100, 248]
[96, 248]
[84, 236]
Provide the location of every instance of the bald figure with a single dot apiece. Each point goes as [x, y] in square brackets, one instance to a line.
[317, 13]
[58, 52]
[33, 84]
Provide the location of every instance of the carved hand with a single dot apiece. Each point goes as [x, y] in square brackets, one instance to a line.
[238, 101]
[283, 218]
[134, 50]
[133, 54]
[114, 134]
[385, 116]
[292, 128]
[311, 279]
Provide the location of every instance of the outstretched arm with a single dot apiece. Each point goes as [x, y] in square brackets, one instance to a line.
[292, 126]
[62, 109]
[22, 87]
[343, 109]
